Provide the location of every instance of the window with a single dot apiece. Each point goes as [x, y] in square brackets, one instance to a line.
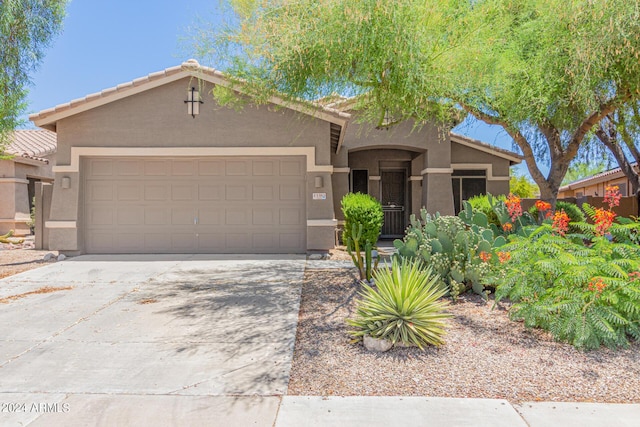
[360, 181]
[466, 184]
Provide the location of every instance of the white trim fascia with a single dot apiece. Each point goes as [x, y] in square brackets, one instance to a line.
[415, 178]
[341, 170]
[14, 181]
[343, 131]
[5, 220]
[60, 224]
[436, 170]
[375, 178]
[461, 141]
[486, 166]
[322, 222]
[78, 152]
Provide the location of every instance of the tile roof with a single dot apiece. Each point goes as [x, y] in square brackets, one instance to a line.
[593, 179]
[188, 68]
[32, 144]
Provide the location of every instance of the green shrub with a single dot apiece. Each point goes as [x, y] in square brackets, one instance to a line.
[453, 248]
[481, 203]
[405, 307]
[363, 223]
[362, 209]
[586, 295]
[574, 212]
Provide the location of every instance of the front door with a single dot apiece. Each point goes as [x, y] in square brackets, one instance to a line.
[393, 198]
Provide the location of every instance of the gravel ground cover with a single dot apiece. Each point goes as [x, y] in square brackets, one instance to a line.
[485, 356]
[15, 259]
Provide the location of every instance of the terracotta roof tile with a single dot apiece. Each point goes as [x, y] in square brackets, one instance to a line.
[32, 144]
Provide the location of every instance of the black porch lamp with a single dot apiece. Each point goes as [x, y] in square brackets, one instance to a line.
[193, 102]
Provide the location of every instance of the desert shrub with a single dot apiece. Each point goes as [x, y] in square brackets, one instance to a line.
[483, 204]
[362, 209]
[405, 307]
[574, 212]
[363, 222]
[585, 295]
[457, 251]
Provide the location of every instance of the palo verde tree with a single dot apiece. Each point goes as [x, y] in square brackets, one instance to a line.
[620, 133]
[26, 30]
[547, 71]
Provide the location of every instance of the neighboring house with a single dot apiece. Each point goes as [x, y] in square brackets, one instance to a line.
[595, 185]
[146, 168]
[32, 156]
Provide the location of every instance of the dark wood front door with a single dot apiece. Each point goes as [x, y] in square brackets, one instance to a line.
[393, 198]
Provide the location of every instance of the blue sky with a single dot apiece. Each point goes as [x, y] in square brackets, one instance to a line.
[105, 43]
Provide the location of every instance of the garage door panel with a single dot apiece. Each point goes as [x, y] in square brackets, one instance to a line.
[264, 217]
[211, 167]
[183, 192]
[211, 242]
[183, 216]
[210, 205]
[157, 168]
[210, 192]
[101, 167]
[128, 191]
[130, 215]
[156, 192]
[99, 191]
[236, 217]
[291, 240]
[101, 215]
[183, 167]
[291, 192]
[264, 167]
[264, 193]
[210, 216]
[128, 168]
[238, 242]
[237, 192]
[237, 168]
[157, 216]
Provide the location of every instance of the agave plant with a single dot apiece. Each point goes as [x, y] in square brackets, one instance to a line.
[406, 306]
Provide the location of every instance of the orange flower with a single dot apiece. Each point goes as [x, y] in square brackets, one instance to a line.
[596, 285]
[507, 226]
[485, 256]
[612, 196]
[604, 220]
[543, 206]
[504, 257]
[513, 207]
[560, 222]
[635, 275]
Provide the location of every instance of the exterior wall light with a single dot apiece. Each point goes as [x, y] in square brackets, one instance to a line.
[193, 102]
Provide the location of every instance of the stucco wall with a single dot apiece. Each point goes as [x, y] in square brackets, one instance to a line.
[463, 155]
[158, 118]
[14, 192]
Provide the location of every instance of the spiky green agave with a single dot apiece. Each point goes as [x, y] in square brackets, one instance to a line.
[406, 306]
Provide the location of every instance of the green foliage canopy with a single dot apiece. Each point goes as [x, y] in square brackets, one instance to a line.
[27, 27]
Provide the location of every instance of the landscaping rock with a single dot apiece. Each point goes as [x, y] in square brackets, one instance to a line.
[48, 257]
[62, 257]
[315, 256]
[376, 344]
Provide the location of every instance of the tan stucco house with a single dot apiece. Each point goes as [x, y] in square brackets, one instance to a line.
[595, 185]
[146, 168]
[30, 158]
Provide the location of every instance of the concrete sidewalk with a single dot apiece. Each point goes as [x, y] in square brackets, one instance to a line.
[354, 411]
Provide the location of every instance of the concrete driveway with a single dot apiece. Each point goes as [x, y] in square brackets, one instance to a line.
[149, 340]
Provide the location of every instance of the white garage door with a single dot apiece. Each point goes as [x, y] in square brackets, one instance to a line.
[194, 205]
